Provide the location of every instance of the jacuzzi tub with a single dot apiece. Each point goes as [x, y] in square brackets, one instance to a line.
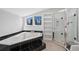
[27, 39]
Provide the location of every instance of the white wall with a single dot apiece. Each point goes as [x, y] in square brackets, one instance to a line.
[38, 27]
[78, 24]
[9, 23]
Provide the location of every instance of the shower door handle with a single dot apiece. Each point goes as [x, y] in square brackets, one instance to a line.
[53, 35]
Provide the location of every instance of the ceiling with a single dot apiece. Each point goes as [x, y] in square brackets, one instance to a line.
[50, 10]
[29, 11]
[23, 11]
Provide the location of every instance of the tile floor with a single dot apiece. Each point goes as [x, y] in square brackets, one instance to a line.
[52, 46]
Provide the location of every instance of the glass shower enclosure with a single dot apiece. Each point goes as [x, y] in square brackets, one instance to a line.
[63, 24]
[66, 26]
[59, 24]
[72, 25]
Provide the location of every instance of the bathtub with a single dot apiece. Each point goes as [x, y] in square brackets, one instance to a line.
[25, 41]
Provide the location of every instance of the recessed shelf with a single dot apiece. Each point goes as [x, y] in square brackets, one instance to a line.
[48, 26]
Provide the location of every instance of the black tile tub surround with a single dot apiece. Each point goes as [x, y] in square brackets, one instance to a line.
[32, 31]
[4, 47]
[28, 45]
[35, 44]
[9, 35]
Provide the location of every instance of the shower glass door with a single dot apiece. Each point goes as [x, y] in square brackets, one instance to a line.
[59, 27]
[72, 27]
